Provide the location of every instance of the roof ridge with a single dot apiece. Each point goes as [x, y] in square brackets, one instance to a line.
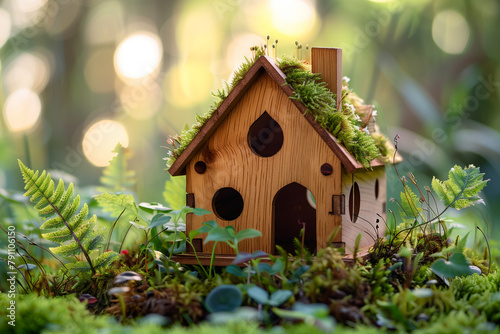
[271, 67]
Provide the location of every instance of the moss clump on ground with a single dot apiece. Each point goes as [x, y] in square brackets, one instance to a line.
[346, 126]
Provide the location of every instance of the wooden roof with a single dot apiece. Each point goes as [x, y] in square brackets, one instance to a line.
[270, 66]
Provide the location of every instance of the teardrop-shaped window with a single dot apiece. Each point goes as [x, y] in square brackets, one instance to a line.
[354, 202]
[265, 136]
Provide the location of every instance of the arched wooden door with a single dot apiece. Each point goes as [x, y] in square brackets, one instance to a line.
[291, 208]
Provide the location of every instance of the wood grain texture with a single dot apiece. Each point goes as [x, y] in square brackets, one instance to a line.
[231, 163]
[370, 206]
[328, 63]
[269, 66]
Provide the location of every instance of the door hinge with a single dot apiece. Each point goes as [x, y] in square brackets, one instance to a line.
[338, 205]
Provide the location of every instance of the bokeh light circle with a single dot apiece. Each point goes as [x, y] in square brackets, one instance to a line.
[22, 110]
[450, 31]
[101, 138]
[293, 17]
[30, 70]
[138, 55]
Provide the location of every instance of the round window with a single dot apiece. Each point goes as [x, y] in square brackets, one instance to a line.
[227, 203]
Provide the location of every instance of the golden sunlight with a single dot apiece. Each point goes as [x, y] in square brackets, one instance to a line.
[22, 110]
[450, 31]
[138, 55]
[100, 139]
[293, 17]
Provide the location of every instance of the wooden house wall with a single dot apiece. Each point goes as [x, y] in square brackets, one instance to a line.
[372, 202]
[231, 163]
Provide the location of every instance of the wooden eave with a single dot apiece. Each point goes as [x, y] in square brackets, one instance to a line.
[270, 66]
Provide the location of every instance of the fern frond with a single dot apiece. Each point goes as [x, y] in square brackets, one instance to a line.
[68, 250]
[116, 177]
[462, 187]
[74, 232]
[77, 267]
[410, 205]
[60, 236]
[105, 259]
[56, 196]
[115, 204]
[95, 243]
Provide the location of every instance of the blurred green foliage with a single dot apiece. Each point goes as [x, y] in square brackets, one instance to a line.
[431, 68]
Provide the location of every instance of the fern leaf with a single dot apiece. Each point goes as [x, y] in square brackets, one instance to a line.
[410, 204]
[95, 242]
[69, 250]
[115, 204]
[105, 259]
[462, 187]
[76, 220]
[116, 177]
[54, 222]
[56, 196]
[77, 267]
[69, 210]
[64, 235]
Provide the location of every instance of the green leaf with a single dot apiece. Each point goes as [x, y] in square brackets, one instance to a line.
[244, 256]
[456, 266]
[247, 234]
[317, 314]
[230, 230]
[105, 259]
[138, 226]
[159, 220]
[300, 271]
[115, 177]
[115, 204]
[175, 192]
[205, 228]
[71, 249]
[316, 310]
[279, 297]
[77, 267]
[201, 212]
[175, 237]
[64, 208]
[278, 267]
[258, 294]
[410, 204]
[152, 207]
[224, 298]
[218, 234]
[462, 187]
[235, 270]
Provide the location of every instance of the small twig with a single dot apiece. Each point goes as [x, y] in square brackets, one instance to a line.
[123, 240]
[112, 228]
[488, 245]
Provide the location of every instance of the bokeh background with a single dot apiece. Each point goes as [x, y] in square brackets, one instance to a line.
[78, 76]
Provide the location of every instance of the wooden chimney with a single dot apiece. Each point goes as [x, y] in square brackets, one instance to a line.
[328, 63]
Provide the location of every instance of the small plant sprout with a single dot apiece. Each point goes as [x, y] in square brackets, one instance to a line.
[224, 298]
[230, 237]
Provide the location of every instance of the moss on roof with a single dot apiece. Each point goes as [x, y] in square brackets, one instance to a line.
[347, 125]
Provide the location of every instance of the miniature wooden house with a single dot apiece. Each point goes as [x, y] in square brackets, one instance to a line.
[261, 162]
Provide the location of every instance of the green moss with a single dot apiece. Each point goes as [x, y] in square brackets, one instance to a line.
[35, 314]
[346, 125]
